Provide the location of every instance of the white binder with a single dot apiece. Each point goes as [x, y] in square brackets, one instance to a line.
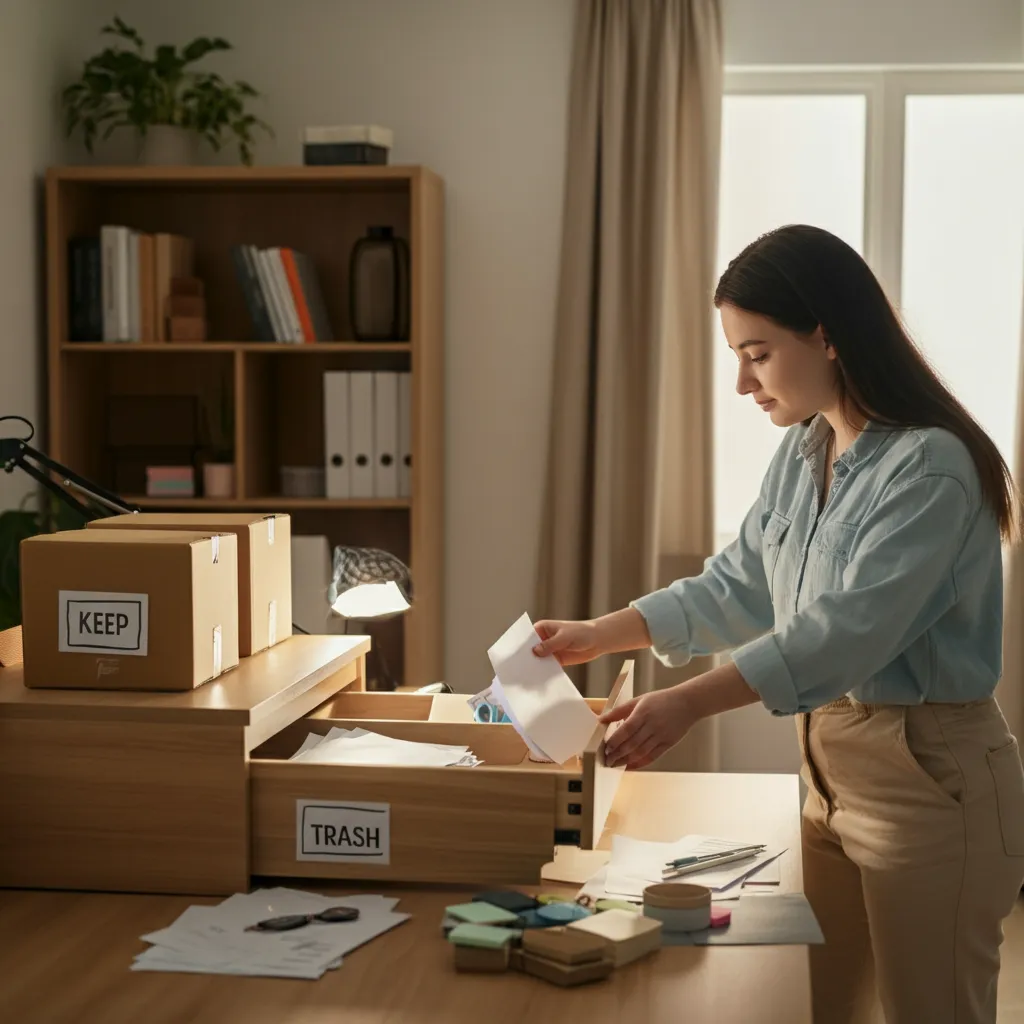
[385, 435]
[337, 435]
[404, 435]
[361, 437]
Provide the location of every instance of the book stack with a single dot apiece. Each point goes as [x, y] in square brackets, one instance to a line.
[120, 283]
[282, 294]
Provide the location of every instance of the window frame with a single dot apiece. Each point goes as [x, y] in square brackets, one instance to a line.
[885, 88]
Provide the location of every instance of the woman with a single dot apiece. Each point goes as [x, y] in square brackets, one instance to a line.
[864, 595]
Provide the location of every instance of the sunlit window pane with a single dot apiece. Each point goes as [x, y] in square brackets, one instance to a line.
[963, 248]
[785, 159]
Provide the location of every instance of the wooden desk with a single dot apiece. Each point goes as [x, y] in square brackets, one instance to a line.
[64, 957]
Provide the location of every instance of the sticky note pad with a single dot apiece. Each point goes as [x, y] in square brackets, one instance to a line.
[508, 899]
[481, 913]
[483, 936]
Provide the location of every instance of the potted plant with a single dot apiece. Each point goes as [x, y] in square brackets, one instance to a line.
[168, 103]
[15, 526]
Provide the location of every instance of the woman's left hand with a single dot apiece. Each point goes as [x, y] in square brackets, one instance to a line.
[651, 724]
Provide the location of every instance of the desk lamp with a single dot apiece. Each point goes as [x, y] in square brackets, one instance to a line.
[15, 453]
[369, 584]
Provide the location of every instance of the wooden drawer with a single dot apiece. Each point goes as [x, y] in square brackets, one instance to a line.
[496, 823]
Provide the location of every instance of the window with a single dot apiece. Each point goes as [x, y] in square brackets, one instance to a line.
[920, 171]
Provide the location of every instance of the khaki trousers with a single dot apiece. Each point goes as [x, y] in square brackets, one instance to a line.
[913, 854]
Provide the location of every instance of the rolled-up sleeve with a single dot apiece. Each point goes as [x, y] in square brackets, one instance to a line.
[900, 580]
[727, 604]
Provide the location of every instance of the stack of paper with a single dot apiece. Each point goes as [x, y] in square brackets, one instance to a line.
[360, 746]
[213, 940]
[635, 864]
[540, 700]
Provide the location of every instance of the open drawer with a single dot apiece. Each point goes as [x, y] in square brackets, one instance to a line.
[498, 822]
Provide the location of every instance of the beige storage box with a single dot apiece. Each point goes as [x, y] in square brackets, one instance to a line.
[264, 566]
[128, 610]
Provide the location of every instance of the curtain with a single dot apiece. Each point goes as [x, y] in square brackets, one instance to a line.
[629, 480]
[1010, 691]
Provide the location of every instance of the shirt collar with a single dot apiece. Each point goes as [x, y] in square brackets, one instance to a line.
[865, 444]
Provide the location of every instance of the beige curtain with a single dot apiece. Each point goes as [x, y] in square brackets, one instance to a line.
[1010, 691]
[629, 472]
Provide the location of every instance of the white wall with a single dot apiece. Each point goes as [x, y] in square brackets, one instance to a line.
[872, 31]
[476, 90]
[32, 35]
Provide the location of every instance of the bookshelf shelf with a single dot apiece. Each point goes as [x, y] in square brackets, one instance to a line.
[274, 390]
[270, 503]
[258, 347]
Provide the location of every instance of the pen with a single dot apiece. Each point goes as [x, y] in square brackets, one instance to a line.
[686, 869]
[683, 861]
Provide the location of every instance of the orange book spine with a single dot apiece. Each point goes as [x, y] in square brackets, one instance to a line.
[291, 271]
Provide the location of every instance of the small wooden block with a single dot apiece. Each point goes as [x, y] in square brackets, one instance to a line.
[565, 945]
[630, 935]
[483, 961]
[515, 958]
[187, 286]
[565, 974]
[11, 647]
[186, 305]
[186, 328]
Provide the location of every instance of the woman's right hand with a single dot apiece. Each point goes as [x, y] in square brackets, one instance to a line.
[571, 642]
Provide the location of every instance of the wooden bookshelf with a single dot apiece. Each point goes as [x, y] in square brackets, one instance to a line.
[276, 389]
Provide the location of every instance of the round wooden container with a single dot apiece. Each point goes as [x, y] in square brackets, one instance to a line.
[680, 906]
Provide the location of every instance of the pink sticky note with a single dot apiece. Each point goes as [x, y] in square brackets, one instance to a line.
[720, 916]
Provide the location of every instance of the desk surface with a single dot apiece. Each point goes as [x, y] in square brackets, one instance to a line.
[243, 695]
[64, 957]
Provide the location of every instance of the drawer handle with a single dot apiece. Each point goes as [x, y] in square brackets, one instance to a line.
[567, 837]
[575, 785]
[575, 808]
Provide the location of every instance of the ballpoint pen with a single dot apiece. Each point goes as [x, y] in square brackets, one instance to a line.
[695, 859]
[702, 864]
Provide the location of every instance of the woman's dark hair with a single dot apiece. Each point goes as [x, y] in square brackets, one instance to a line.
[803, 277]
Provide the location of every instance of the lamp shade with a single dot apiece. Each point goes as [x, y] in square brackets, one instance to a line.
[368, 583]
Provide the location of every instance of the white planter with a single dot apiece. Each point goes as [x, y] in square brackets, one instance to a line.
[167, 145]
[219, 480]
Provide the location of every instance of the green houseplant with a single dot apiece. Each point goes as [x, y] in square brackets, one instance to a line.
[123, 87]
[15, 526]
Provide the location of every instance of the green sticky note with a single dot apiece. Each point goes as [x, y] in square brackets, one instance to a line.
[481, 913]
[617, 905]
[483, 936]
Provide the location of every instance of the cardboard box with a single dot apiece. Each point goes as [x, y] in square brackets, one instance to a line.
[128, 609]
[264, 566]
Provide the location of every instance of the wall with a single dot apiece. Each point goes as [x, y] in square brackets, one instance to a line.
[872, 31]
[475, 89]
[32, 37]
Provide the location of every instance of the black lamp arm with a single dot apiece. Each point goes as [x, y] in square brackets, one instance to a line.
[15, 452]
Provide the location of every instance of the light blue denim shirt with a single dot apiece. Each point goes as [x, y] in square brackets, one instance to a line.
[893, 594]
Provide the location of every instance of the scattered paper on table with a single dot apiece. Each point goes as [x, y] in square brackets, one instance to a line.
[636, 864]
[540, 698]
[362, 747]
[213, 939]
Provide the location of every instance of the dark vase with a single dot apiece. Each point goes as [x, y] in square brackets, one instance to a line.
[379, 287]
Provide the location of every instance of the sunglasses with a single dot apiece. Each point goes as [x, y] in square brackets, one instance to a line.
[285, 923]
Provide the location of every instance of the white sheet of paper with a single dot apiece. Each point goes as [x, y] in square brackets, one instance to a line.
[636, 863]
[212, 939]
[497, 694]
[541, 697]
[361, 747]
